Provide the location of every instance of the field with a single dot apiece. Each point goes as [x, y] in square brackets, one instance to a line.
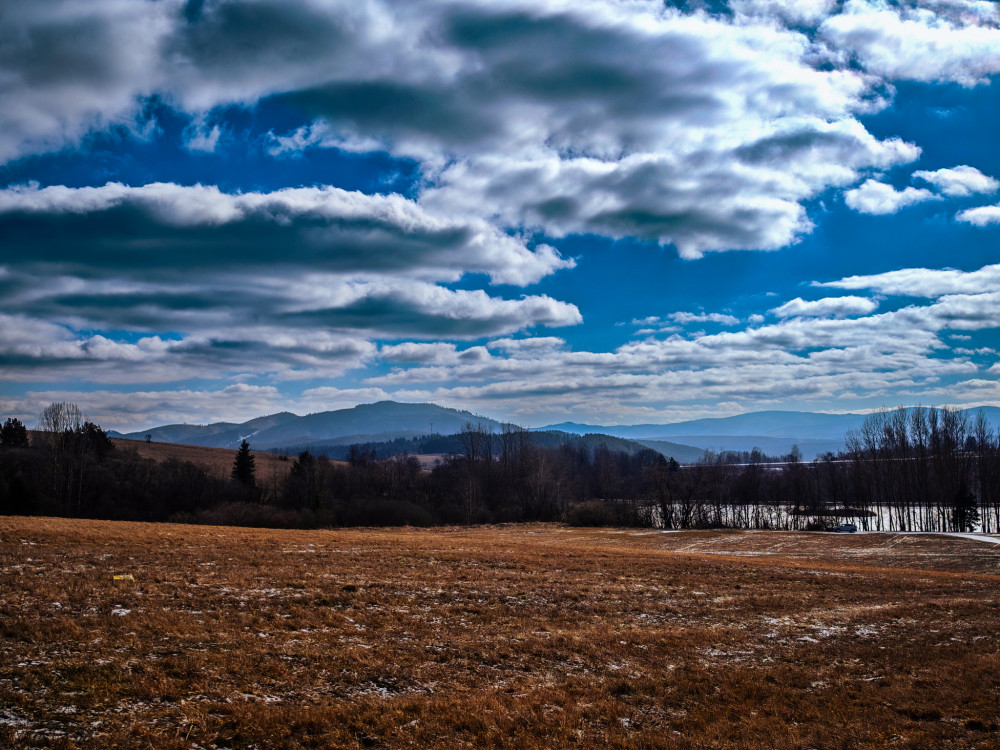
[515, 636]
[216, 461]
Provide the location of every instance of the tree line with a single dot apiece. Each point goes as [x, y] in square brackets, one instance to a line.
[909, 469]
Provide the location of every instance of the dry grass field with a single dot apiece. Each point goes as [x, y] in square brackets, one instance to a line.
[216, 461]
[513, 637]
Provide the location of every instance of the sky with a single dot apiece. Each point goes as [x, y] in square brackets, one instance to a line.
[605, 211]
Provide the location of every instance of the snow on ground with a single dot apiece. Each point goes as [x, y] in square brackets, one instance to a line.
[974, 537]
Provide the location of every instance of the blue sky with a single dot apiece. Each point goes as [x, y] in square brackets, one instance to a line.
[603, 211]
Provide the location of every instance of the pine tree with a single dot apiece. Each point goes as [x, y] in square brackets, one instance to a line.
[243, 466]
[13, 434]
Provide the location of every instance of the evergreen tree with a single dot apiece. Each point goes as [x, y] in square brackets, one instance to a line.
[243, 467]
[964, 510]
[13, 434]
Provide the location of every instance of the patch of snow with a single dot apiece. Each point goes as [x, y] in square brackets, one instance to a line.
[10, 719]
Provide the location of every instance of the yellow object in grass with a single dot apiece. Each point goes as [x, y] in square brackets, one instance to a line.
[126, 577]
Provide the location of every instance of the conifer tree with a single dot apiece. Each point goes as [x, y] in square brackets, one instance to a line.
[13, 434]
[243, 466]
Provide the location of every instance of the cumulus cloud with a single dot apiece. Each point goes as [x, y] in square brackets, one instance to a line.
[686, 317]
[251, 282]
[708, 132]
[202, 139]
[829, 306]
[959, 182]
[411, 352]
[796, 12]
[943, 41]
[875, 197]
[39, 351]
[418, 309]
[887, 356]
[528, 345]
[73, 67]
[705, 131]
[830, 346]
[981, 216]
[163, 226]
[138, 409]
[261, 278]
[923, 282]
[320, 326]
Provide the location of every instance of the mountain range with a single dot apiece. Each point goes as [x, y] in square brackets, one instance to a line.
[385, 420]
[774, 432]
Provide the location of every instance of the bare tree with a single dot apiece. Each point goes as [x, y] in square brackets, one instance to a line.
[60, 416]
[987, 457]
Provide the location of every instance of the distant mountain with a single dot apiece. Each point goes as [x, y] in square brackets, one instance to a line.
[796, 424]
[774, 432]
[682, 454]
[385, 420]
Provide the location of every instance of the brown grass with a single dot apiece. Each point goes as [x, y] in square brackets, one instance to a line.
[521, 637]
[216, 461]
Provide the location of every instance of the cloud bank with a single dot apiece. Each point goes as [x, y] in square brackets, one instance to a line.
[699, 127]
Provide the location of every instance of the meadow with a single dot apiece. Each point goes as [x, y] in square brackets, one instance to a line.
[218, 462]
[118, 634]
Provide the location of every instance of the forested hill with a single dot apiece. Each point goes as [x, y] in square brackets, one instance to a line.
[930, 470]
[385, 420]
[341, 448]
[773, 432]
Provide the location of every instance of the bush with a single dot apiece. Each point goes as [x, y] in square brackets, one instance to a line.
[391, 513]
[591, 513]
[256, 515]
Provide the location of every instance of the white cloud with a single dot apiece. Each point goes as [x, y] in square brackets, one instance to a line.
[686, 317]
[412, 352]
[317, 327]
[836, 348]
[887, 357]
[134, 410]
[703, 131]
[875, 197]
[806, 12]
[959, 182]
[327, 398]
[324, 228]
[313, 263]
[942, 41]
[924, 282]
[980, 217]
[829, 306]
[70, 67]
[203, 140]
[528, 345]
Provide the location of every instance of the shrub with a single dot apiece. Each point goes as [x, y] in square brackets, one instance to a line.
[591, 513]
